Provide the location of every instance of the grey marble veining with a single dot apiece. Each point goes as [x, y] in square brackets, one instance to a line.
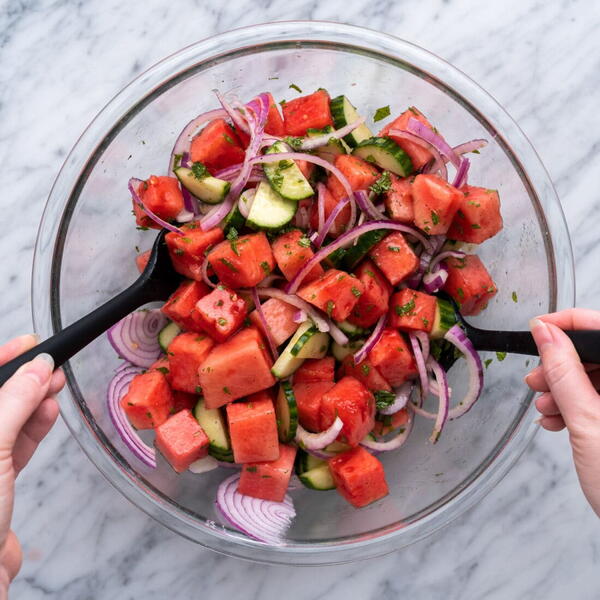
[60, 62]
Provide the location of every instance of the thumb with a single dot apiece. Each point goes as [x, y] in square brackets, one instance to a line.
[569, 384]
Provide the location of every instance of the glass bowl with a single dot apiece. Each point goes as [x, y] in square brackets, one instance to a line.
[85, 250]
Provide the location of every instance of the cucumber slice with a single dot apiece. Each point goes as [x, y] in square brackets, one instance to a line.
[269, 210]
[306, 462]
[337, 447]
[233, 219]
[352, 330]
[311, 344]
[354, 254]
[343, 114]
[212, 422]
[287, 363]
[444, 319]
[167, 334]
[286, 412]
[336, 258]
[318, 478]
[285, 176]
[340, 352]
[386, 154]
[208, 189]
[332, 148]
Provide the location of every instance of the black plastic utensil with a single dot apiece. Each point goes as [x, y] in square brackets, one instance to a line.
[157, 282]
[586, 341]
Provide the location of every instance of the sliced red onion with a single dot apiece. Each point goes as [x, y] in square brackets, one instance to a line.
[269, 280]
[204, 271]
[444, 255]
[185, 216]
[403, 394]
[245, 202]
[420, 366]
[117, 388]
[347, 238]
[470, 146]
[203, 465]
[364, 203]
[229, 173]
[321, 190]
[395, 442]
[322, 233]
[299, 316]
[438, 161]
[133, 186]
[456, 336]
[318, 441]
[370, 342]
[337, 334]
[238, 120]
[264, 323]
[436, 242]
[461, 174]
[135, 338]
[262, 520]
[434, 282]
[420, 129]
[424, 341]
[338, 134]
[302, 216]
[444, 399]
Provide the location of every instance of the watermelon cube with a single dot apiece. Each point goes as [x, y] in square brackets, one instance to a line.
[373, 303]
[187, 352]
[394, 257]
[279, 316]
[478, 216]
[220, 313]
[291, 250]
[307, 112]
[141, 260]
[412, 311]
[148, 401]
[385, 424]
[359, 173]
[329, 203]
[399, 200]
[365, 372]
[217, 146]
[162, 196]
[183, 400]
[435, 203]
[392, 357]
[315, 369]
[308, 402]
[180, 305]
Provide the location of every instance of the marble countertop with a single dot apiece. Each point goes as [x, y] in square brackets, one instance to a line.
[60, 62]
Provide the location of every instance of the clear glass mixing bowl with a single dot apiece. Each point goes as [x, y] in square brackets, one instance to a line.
[85, 249]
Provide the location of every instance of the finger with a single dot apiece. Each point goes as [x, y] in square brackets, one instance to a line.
[11, 556]
[536, 380]
[552, 423]
[574, 318]
[57, 382]
[33, 432]
[546, 405]
[570, 385]
[17, 346]
[21, 395]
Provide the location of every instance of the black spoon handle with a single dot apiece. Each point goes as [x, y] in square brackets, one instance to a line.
[63, 345]
[586, 342]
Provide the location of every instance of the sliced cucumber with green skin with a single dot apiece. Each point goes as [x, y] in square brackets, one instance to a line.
[306, 462]
[332, 148]
[212, 422]
[354, 254]
[318, 478]
[311, 344]
[208, 189]
[269, 210]
[337, 447]
[352, 330]
[386, 154]
[444, 319]
[233, 219]
[310, 347]
[344, 113]
[285, 176]
[286, 412]
[340, 352]
[335, 259]
[167, 334]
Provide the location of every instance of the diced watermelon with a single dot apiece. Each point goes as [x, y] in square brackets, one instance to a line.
[306, 168]
[279, 316]
[141, 260]
[274, 124]
[478, 216]
[307, 112]
[187, 252]
[148, 401]
[181, 303]
[419, 155]
[365, 372]
[469, 283]
[308, 401]
[394, 257]
[435, 203]
[243, 262]
[269, 480]
[316, 369]
[161, 365]
[220, 313]
[393, 358]
[354, 404]
[359, 173]
[335, 292]
[186, 353]
[162, 196]
[375, 298]
[183, 401]
[291, 250]
[181, 440]
[253, 429]
[236, 368]
[329, 203]
[412, 311]
[217, 146]
[359, 476]
[385, 424]
[399, 200]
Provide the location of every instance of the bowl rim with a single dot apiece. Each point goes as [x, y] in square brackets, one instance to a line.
[201, 53]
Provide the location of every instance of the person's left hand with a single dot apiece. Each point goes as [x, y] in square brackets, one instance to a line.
[28, 409]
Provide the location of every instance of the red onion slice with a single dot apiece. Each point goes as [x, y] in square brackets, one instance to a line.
[444, 255]
[261, 520]
[403, 394]
[338, 134]
[367, 207]
[420, 129]
[245, 202]
[461, 174]
[371, 341]
[323, 231]
[117, 388]
[238, 120]
[318, 441]
[438, 163]
[434, 282]
[420, 359]
[299, 316]
[444, 399]
[204, 272]
[470, 146]
[337, 334]
[135, 338]
[321, 190]
[133, 186]
[264, 323]
[395, 442]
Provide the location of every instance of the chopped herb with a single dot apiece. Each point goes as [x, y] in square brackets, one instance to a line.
[178, 251]
[475, 226]
[383, 399]
[142, 228]
[460, 292]
[476, 204]
[365, 369]
[490, 289]
[277, 179]
[232, 236]
[221, 322]
[228, 139]
[304, 242]
[394, 248]
[370, 159]
[381, 113]
[199, 338]
[247, 322]
[200, 171]
[460, 263]
[413, 110]
[425, 321]
[220, 303]
[137, 248]
[330, 307]
[163, 370]
[488, 362]
[405, 309]
[293, 86]
[294, 142]
[282, 102]
[271, 78]
[475, 152]
[383, 183]
[252, 469]
[198, 389]
[356, 292]
[226, 390]
[434, 217]
[514, 297]
[370, 273]
[266, 476]
[264, 265]
[228, 264]
[500, 356]
[186, 240]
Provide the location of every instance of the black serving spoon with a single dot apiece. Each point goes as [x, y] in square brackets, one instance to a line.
[586, 341]
[157, 282]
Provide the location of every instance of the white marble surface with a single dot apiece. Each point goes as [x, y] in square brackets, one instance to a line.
[61, 61]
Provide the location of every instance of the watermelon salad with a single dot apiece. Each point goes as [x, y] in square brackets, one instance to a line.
[317, 261]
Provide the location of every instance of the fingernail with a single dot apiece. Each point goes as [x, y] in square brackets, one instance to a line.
[40, 368]
[541, 332]
[538, 421]
[36, 338]
[532, 373]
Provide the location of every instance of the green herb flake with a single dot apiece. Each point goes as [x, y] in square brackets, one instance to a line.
[163, 370]
[178, 251]
[413, 110]
[514, 297]
[405, 309]
[198, 389]
[370, 159]
[500, 356]
[294, 142]
[232, 236]
[293, 86]
[383, 399]
[228, 139]
[272, 78]
[394, 248]
[266, 476]
[460, 292]
[365, 369]
[251, 469]
[264, 265]
[435, 219]
[425, 321]
[200, 171]
[142, 228]
[221, 322]
[304, 242]
[186, 240]
[475, 152]
[475, 226]
[137, 249]
[488, 362]
[356, 292]
[330, 307]
[382, 113]
[228, 264]
[226, 390]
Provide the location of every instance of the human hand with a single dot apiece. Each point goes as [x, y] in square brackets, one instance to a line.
[28, 409]
[570, 392]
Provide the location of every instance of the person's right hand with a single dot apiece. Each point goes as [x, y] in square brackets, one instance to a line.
[570, 392]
